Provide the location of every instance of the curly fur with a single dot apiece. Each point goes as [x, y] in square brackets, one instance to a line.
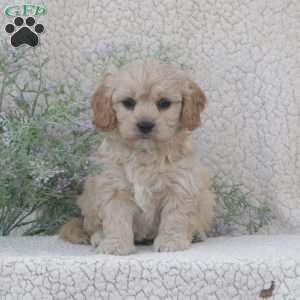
[151, 187]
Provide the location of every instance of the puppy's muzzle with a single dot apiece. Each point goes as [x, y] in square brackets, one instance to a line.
[145, 127]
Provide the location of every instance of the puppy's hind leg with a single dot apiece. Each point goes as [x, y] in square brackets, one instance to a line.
[74, 232]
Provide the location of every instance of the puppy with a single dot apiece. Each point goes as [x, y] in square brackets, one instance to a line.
[151, 185]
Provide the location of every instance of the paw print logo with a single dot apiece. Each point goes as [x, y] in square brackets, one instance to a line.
[23, 34]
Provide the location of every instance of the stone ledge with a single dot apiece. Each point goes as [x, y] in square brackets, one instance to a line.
[220, 268]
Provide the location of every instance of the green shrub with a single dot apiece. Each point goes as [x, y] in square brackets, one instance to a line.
[236, 211]
[45, 142]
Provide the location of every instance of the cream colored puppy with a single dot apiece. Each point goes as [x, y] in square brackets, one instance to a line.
[152, 186]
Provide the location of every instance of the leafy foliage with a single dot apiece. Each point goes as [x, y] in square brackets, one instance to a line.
[45, 142]
[236, 210]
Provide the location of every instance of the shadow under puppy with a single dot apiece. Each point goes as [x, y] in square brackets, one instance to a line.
[152, 186]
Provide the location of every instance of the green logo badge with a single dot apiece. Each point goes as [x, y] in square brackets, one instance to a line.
[25, 10]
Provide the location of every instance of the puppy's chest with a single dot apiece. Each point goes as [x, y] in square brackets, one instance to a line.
[148, 187]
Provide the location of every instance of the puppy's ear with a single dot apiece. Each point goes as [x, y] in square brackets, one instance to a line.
[194, 102]
[104, 117]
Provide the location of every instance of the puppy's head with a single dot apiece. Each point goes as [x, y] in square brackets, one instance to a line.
[147, 100]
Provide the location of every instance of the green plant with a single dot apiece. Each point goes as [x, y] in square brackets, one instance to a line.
[237, 211]
[45, 142]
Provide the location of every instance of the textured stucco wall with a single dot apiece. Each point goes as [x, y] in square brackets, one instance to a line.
[244, 54]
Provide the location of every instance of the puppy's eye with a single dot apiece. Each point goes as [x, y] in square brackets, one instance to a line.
[163, 103]
[129, 103]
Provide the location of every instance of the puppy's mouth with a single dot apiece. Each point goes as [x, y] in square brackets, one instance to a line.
[145, 136]
[139, 137]
[143, 141]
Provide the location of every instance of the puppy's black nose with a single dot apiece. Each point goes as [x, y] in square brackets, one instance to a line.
[145, 126]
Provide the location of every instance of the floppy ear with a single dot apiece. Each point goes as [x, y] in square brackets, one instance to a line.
[104, 117]
[194, 102]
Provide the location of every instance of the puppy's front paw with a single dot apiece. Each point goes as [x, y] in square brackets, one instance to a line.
[96, 239]
[115, 247]
[171, 243]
